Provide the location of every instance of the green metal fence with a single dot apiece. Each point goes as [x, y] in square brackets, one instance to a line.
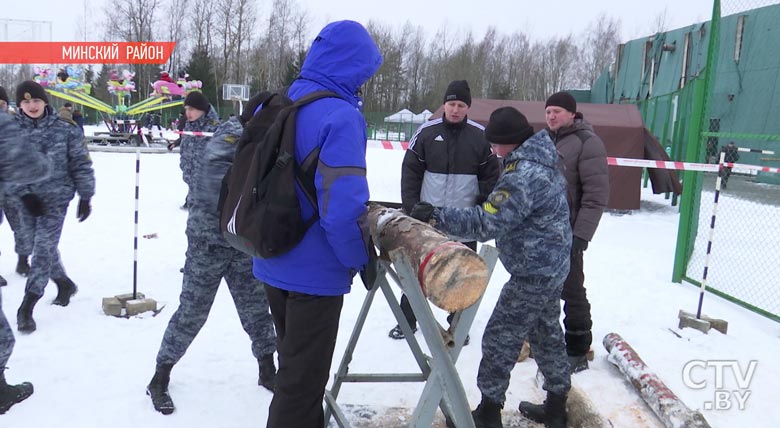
[744, 263]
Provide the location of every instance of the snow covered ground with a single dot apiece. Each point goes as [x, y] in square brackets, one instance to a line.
[90, 370]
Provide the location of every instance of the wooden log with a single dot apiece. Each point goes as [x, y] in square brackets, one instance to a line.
[452, 276]
[665, 403]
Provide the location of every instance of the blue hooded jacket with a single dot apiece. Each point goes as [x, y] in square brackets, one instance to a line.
[341, 59]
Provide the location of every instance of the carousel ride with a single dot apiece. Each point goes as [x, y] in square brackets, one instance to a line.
[122, 119]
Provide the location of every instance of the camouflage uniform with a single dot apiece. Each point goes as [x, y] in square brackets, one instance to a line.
[528, 216]
[17, 164]
[210, 258]
[192, 146]
[72, 172]
[20, 224]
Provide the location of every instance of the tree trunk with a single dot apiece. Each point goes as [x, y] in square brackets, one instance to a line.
[451, 275]
[665, 403]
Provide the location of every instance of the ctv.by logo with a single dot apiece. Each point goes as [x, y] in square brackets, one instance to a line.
[699, 374]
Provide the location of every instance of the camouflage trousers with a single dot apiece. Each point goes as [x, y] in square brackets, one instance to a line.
[20, 222]
[46, 263]
[204, 268]
[6, 337]
[527, 308]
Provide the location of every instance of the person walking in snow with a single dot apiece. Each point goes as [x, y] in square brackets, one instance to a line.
[21, 166]
[528, 216]
[62, 141]
[210, 259]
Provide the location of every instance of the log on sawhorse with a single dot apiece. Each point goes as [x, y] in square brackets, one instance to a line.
[443, 388]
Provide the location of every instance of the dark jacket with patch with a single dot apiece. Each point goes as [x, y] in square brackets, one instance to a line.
[527, 213]
[586, 171]
[216, 158]
[448, 165]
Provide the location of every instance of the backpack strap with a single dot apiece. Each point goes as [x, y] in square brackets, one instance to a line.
[304, 173]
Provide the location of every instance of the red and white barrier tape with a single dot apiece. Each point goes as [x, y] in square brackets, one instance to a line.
[195, 133]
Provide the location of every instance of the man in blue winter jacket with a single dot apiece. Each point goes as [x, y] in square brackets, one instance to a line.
[306, 286]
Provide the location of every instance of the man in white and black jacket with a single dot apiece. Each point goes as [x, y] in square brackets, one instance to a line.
[449, 163]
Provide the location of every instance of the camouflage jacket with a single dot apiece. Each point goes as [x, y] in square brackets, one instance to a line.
[527, 213]
[192, 146]
[71, 166]
[216, 158]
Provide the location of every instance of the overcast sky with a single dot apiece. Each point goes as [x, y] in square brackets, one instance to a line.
[539, 19]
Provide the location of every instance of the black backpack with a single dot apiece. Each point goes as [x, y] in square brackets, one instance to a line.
[259, 210]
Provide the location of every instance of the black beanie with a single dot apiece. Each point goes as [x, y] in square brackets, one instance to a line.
[562, 99]
[458, 90]
[4, 95]
[197, 100]
[28, 90]
[508, 126]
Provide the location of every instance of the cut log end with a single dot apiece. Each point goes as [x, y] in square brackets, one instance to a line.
[454, 278]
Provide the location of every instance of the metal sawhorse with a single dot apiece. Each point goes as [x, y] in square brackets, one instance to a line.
[443, 387]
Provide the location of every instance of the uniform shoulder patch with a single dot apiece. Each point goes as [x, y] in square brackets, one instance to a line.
[511, 166]
[495, 200]
[231, 139]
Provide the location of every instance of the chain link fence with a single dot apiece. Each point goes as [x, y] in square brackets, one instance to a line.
[733, 122]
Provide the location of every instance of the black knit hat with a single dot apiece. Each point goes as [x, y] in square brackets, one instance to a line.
[28, 90]
[458, 90]
[197, 100]
[4, 95]
[508, 126]
[562, 99]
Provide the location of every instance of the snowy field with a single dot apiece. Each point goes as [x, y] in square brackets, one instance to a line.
[90, 370]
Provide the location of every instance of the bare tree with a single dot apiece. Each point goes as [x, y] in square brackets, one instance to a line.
[598, 49]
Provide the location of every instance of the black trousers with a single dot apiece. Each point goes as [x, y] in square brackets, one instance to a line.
[306, 329]
[407, 308]
[576, 309]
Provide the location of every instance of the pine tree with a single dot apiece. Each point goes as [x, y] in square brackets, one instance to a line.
[201, 67]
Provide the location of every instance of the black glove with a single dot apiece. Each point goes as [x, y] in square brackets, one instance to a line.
[369, 273]
[578, 245]
[174, 144]
[33, 204]
[422, 211]
[84, 210]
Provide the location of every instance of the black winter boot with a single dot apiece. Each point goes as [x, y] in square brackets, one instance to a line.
[3, 281]
[552, 413]
[22, 266]
[267, 377]
[65, 290]
[24, 316]
[487, 414]
[158, 390]
[12, 394]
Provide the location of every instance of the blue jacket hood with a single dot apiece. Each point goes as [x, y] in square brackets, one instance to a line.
[342, 58]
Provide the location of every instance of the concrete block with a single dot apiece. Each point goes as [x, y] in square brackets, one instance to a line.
[135, 307]
[112, 306]
[689, 320]
[123, 298]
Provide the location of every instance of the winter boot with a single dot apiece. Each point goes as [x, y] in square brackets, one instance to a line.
[398, 334]
[577, 363]
[24, 316]
[65, 290]
[22, 266]
[267, 377]
[552, 413]
[158, 390]
[3, 281]
[487, 414]
[12, 394]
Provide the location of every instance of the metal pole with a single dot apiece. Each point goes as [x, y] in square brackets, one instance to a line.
[712, 234]
[135, 233]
